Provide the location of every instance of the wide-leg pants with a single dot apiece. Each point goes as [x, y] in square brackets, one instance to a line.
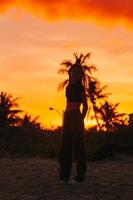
[72, 142]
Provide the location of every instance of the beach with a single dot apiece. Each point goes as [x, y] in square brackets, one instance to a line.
[37, 179]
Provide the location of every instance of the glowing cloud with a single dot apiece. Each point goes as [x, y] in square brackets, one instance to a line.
[102, 11]
[5, 5]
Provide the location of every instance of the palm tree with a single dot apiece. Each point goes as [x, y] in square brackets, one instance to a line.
[79, 59]
[94, 94]
[28, 122]
[8, 115]
[110, 117]
[92, 85]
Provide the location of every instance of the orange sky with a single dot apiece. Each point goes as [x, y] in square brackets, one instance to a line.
[36, 37]
[100, 10]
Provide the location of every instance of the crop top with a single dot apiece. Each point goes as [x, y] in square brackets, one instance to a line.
[73, 92]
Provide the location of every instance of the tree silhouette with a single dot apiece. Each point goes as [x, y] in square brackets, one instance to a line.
[94, 94]
[79, 59]
[8, 115]
[92, 85]
[110, 117]
[28, 122]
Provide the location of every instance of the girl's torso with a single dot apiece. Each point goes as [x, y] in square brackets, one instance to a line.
[73, 95]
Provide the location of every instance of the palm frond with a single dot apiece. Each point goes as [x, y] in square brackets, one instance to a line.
[62, 85]
[115, 106]
[89, 69]
[14, 111]
[102, 96]
[103, 88]
[62, 71]
[85, 57]
[14, 100]
[75, 55]
[89, 77]
[67, 63]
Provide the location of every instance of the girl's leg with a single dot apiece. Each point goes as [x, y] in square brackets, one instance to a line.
[66, 160]
[66, 149]
[79, 150]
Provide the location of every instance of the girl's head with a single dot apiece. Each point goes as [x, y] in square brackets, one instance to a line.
[75, 73]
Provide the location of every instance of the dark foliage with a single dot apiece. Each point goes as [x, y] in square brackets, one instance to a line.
[29, 142]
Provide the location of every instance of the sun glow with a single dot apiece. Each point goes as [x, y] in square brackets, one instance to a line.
[32, 48]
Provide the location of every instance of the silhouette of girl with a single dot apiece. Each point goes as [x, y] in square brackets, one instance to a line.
[73, 127]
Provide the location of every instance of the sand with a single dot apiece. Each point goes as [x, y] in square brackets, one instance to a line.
[37, 179]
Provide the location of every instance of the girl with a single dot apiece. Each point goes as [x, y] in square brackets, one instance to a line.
[73, 126]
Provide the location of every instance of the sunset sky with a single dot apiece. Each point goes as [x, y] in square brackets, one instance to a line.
[36, 36]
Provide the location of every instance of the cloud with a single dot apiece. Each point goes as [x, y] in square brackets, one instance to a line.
[102, 11]
[5, 5]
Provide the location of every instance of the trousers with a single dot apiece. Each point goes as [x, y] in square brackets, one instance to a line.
[73, 145]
